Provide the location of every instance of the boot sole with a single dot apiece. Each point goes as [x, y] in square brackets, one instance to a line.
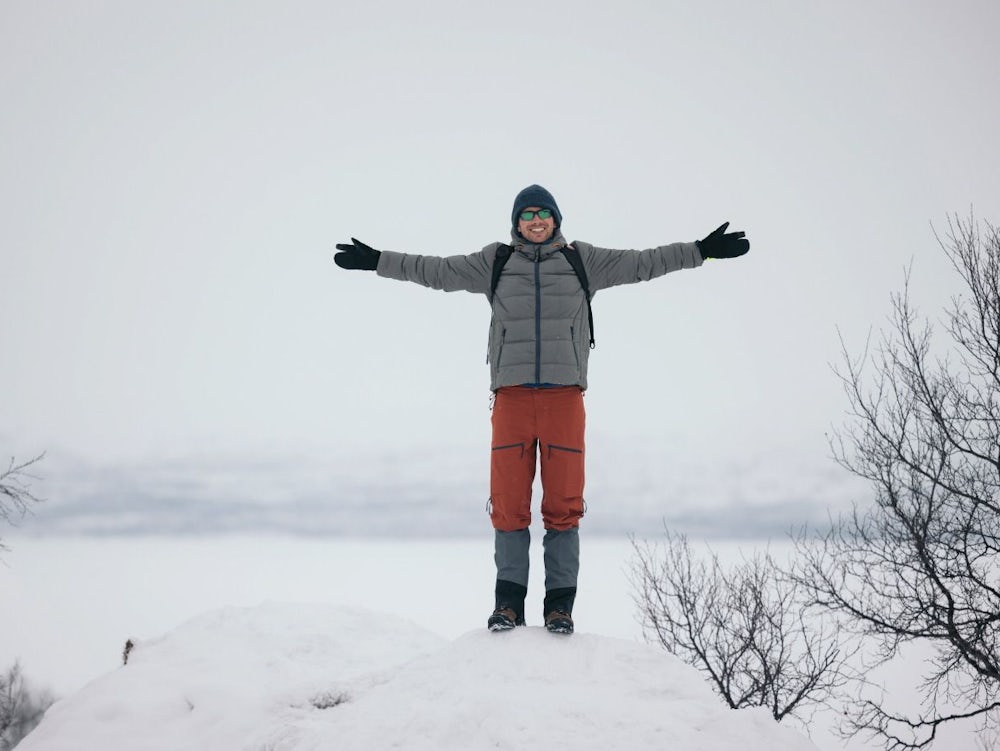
[559, 627]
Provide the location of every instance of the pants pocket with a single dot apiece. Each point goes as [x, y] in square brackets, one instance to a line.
[509, 447]
[512, 471]
[563, 473]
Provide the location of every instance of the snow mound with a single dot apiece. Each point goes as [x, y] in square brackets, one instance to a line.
[279, 677]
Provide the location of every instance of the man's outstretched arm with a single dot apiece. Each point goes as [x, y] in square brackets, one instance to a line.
[607, 267]
[469, 273]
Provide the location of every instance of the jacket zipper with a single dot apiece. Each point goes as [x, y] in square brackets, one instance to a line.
[496, 361]
[538, 318]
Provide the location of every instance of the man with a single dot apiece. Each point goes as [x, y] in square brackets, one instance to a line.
[539, 344]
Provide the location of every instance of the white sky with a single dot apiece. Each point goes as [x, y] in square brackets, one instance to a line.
[174, 176]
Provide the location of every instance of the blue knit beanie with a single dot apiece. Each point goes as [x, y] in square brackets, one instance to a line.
[534, 195]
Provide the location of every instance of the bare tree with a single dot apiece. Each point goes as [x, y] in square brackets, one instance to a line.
[16, 496]
[920, 564]
[745, 627]
[20, 708]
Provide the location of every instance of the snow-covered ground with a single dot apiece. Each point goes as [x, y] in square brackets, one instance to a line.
[396, 628]
[281, 677]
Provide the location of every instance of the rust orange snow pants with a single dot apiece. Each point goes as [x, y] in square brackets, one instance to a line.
[528, 423]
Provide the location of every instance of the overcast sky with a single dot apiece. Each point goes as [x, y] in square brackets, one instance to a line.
[174, 176]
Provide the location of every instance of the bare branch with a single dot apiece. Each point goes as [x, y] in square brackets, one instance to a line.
[16, 496]
[920, 564]
[21, 709]
[744, 626]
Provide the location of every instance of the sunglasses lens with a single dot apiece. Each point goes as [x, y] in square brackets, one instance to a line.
[527, 216]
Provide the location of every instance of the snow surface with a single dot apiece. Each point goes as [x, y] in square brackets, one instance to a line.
[289, 676]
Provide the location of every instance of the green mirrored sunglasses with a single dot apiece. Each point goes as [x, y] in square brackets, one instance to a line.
[527, 216]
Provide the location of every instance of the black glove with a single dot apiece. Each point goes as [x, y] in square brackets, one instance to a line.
[356, 255]
[722, 244]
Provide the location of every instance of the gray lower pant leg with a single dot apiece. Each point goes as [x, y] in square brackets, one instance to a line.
[562, 558]
[511, 555]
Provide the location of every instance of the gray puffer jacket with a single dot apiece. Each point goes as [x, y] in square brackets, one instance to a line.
[539, 333]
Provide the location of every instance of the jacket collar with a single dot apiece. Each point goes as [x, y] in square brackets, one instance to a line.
[553, 244]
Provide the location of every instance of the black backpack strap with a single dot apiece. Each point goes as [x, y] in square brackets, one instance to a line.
[499, 261]
[573, 256]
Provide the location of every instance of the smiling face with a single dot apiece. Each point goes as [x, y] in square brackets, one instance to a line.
[536, 229]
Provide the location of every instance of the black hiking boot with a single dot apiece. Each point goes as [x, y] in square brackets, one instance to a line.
[504, 619]
[509, 610]
[559, 622]
[558, 609]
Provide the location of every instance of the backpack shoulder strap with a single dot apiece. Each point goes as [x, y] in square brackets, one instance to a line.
[499, 261]
[573, 256]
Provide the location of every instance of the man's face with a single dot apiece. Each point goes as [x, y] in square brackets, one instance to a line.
[536, 229]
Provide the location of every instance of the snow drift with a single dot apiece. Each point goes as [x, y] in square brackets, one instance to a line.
[278, 677]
